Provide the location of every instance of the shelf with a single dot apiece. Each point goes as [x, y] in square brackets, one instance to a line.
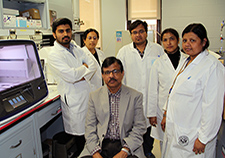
[21, 5]
[30, 1]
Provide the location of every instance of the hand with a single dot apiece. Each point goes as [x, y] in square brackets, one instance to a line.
[153, 121]
[85, 65]
[121, 154]
[163, 124]
[97, 155]
[199, 147]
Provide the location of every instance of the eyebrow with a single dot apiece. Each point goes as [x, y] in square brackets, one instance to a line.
[64, 30]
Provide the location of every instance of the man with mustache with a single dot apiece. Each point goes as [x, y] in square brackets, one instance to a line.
[115, 122]
[72, 69]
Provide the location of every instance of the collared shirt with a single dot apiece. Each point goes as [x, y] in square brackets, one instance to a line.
[113, 127]
[113, 131]
[70, 49]
[141, 53]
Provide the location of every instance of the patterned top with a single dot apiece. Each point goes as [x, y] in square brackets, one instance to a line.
[113, 131]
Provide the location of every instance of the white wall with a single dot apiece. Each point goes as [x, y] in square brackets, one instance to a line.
[113, 17]
[179, 13]
[62, 7]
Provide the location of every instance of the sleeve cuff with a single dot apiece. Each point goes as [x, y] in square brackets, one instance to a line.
[126, 146]
[96, 149]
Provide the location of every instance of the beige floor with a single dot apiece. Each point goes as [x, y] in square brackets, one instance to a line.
[156, 149]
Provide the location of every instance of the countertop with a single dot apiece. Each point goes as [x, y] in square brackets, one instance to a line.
[52, 96]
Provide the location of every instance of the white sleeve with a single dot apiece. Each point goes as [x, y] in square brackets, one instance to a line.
[121, 56]
[153, 90]
[212, 105]
[60, 68]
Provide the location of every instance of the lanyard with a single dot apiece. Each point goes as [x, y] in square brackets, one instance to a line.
[180, 71]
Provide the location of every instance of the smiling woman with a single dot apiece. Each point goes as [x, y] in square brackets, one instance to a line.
[90, 38]
[195, 40]
[195, 102]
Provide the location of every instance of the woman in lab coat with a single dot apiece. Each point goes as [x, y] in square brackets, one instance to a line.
[195, 103]
[90, 39]
[161, 76]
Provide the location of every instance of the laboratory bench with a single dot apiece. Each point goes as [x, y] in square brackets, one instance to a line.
[24, 136]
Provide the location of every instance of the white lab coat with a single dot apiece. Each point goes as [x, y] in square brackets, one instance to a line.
[96, 80]
[161, 77]
[194, 108]
[137, 69]
[68, 70]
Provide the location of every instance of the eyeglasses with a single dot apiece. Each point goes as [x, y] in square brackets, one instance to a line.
[136, 32]
[94, 38]
[115, 71]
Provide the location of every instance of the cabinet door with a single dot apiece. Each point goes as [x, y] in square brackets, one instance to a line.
[49, 113]
[18, 141]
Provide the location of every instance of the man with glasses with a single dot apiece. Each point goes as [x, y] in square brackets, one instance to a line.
[137, 58]
[115, 122]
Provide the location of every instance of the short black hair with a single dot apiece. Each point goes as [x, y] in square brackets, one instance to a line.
[137, 23]
[170, 30]
[109, 61]
[88, 31]
[61, 21]
[199, 30]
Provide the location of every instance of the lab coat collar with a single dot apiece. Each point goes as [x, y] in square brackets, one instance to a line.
[147, 47]
[200, 57]
[60, 47]
[89, 50]
[148, 44]
[182, 56]
[64, 49]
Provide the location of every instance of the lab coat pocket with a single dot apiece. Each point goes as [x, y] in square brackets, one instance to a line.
[187, 88]
[65, 100]
[185, 137]
[77, 103]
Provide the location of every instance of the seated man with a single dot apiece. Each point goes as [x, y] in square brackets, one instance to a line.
[115, 122]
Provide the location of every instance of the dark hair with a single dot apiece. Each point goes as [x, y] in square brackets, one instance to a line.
[137, 23]
[88, 31]
[199, 30]
[111, 60]
[170, 30]
[61, 21]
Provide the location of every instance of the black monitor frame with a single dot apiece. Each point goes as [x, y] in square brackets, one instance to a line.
[31, 93]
